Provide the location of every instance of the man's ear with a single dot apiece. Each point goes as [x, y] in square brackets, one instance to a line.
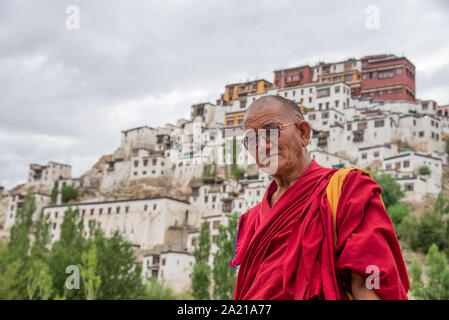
[304, 130]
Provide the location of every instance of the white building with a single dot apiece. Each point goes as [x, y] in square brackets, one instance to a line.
[143, 222]
[46, 175]
[405, 167]
[15, 203]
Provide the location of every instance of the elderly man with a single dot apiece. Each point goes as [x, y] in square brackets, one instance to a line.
[285, 244]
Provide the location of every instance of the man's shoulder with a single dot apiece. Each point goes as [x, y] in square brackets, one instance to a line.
[359, 178]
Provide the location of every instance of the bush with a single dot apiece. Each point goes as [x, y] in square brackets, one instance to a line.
[397, 213]
[437, 286]
[424, 170]
[430, 230]
[391, 190]
[68, 193]
[408, 231]
[157, 290]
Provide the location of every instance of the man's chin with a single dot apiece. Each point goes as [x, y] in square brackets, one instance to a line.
[271, 167]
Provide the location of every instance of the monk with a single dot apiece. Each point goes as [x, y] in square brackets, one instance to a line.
[285, 244]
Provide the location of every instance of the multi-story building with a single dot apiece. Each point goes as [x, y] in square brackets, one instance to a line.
[293, 77]
[15, 203]
[405, 166]
[348, 71]
[387, 77]
[46, 175]
[443, 110]
[239, 91]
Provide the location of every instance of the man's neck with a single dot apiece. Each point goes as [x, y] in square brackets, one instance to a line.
[284, 182]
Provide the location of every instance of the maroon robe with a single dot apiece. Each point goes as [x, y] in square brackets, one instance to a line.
[287, 252]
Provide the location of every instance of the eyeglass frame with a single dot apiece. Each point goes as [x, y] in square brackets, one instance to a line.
[278, 127]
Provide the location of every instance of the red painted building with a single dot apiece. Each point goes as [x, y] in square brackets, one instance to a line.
[293, 77]
[387, 77]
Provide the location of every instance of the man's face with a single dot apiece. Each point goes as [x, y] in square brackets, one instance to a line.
[275, 157]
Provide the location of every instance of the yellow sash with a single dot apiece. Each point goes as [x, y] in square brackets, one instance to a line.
[333, 191]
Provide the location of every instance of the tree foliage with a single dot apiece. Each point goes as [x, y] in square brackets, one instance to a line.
[54, 193]
[223, 274]
[424, 170]
[201, 270]
[391, 190]
[68, 193]
[437, 285]
[38, 271]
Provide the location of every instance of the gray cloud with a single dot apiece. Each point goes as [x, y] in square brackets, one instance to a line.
[65, 95]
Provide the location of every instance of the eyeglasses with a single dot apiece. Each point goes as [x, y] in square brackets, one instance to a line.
[265, 134]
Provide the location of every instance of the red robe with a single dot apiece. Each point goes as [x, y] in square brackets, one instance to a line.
[287, 252]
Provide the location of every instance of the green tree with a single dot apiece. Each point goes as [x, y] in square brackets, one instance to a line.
[54, 193]
[416, 283]
[18, 248]
[391, 190]
[120, 275]
[408, 231]
[397, 213]
[223, 274]
[88, 272]
[437, 286]
[201, 270]
[430, 230]
[441, 204]
[42, 238]
[39, 280]
[68, 193]
[67, 251]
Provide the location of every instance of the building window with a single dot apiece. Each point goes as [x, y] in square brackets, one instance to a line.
[216, 224]
[118, 209]
[349, 127]
[379, 123]
[154, 206]
[109, 210]
[136, 163]
[325, 92]
[421, 133]
[406, 163]
[361, 126]
[376, 154]
[92, 212]
[126, 209]
[364, 155]
[312, 117]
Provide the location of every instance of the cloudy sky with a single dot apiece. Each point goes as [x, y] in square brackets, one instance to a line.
[66, 94]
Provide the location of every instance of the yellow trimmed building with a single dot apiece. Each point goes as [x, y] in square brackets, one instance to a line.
[241, 90]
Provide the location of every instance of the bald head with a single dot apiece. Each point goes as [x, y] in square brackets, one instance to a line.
[287, 105]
